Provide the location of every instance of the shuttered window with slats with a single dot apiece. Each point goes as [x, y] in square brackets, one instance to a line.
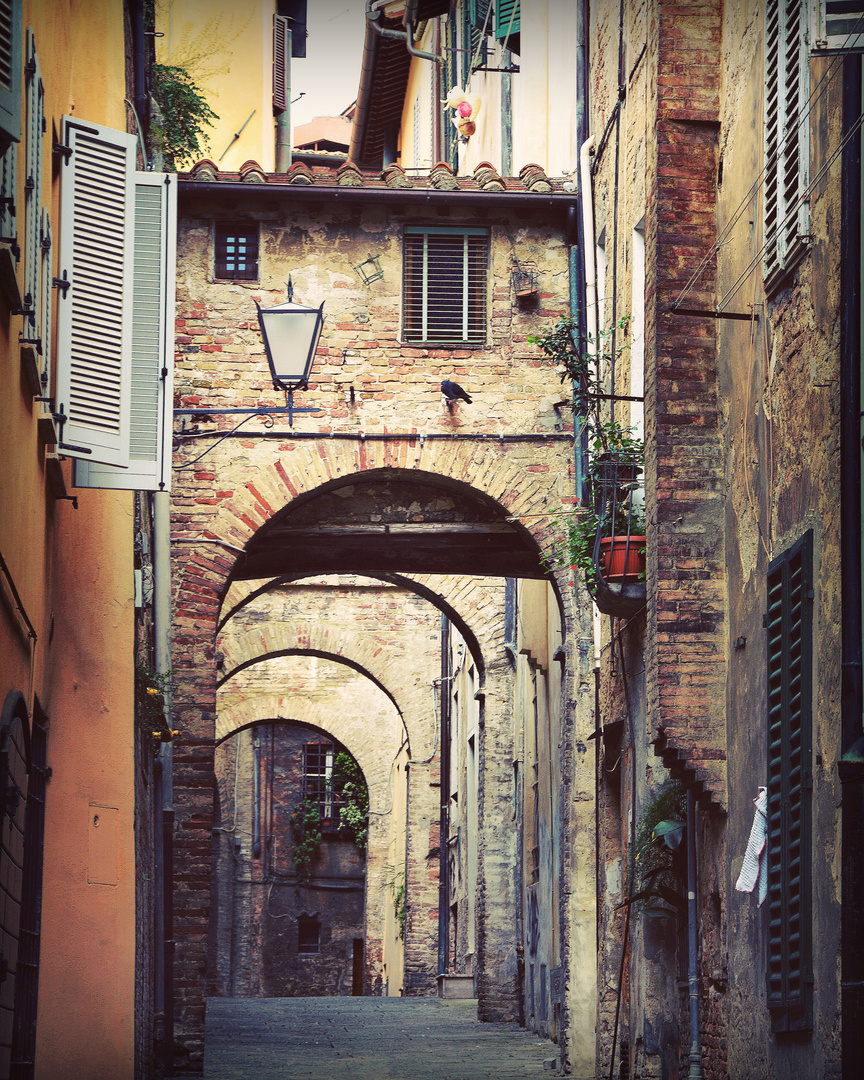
[789, 620]
[93, 321]
[10, 72]
[152, 344]
[478, 23]
[444, 286]
[33, 196]
[786, 213]
[47, 294]
[507, 22]
[280, 63]
[843, 26]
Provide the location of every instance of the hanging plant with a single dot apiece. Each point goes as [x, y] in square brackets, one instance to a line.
[352, 796]
[654, 880]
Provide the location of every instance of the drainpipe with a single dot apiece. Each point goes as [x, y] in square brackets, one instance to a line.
[588, 253]
[851, 764]
[443, 883]
[256, 798]
[164, 794]
[373, 14]
[695, 1058]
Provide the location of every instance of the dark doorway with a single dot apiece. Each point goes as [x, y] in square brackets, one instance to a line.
[357, 971]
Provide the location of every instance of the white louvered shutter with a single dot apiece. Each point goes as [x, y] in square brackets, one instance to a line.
[94, 325]
[8, 194]
[35, 94]
[786, 211]
[152, 344]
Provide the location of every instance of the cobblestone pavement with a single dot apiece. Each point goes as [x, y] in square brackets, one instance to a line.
[365, 1039]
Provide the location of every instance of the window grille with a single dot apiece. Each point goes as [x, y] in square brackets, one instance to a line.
[789, 621]
[318, 778]
[786, 213]
[444, 286]
[236, 252]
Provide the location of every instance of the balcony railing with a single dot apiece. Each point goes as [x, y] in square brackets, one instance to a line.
[618, 584]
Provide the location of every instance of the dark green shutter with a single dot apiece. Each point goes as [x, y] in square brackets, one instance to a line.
[790, 978]
[478, 24]
[507, 16]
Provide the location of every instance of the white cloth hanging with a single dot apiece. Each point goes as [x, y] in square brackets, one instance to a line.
[754, 868]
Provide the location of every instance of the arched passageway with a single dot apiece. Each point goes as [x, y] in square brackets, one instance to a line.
[288, 599]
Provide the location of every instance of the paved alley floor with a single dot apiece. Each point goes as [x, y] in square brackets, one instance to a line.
[365, 1039]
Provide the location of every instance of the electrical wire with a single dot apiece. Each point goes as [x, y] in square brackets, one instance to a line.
[816, 95]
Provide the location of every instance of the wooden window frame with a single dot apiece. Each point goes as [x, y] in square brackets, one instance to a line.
[789, 622]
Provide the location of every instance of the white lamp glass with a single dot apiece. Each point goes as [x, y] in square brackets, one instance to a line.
[291, 332]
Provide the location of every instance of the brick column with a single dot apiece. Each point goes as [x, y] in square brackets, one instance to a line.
[684, 467]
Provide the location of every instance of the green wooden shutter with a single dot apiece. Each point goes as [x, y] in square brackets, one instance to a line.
[478, 23]
[786, 214]
[789, 975]
[152, 344]
[93, 360]
[507, 18]
[46, 274]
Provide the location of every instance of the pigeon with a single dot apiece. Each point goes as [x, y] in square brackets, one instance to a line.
[453, 392]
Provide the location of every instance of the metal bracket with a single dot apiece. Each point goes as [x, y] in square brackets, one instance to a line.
[61, 283]
[59, 148]
[698, 313]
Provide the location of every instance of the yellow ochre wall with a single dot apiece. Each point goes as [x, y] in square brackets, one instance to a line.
[227, 49]
[74, 572]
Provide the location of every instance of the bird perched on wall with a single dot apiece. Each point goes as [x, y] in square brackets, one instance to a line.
[453, 392]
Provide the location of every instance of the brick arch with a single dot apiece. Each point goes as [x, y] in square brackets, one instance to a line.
[366, 656]
[243, 593]
[235, 516]
[272, 708]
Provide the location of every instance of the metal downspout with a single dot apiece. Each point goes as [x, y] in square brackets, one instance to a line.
[851, 765]
[444, 824]
[164, 796]
[695, 1056]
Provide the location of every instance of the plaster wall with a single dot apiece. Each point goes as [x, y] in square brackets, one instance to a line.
[73, 571]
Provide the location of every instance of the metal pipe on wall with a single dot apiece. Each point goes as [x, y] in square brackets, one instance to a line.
[443, 883]
[695, 1056]
[851, 765]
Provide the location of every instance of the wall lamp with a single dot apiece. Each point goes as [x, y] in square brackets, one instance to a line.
[291, 333]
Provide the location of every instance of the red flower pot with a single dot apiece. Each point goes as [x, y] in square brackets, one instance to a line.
[622, 557]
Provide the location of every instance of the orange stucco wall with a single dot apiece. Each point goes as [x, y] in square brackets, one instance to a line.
[73, 570]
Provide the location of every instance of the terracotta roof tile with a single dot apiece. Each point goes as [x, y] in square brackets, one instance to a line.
[531, 178]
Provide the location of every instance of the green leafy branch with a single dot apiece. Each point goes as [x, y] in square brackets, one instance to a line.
[659, 834]
[179, 131]
[352, 795]
[306, 827]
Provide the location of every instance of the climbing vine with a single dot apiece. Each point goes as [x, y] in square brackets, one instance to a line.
[306, 827]
[179, 131]
[352, 795]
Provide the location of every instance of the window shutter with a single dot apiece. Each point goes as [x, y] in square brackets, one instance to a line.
[10, 71]
[93, 323]
[478, 23]
[444, 285]
[33, 195]
[47, 294]
[280, 63]
[8, 194]
[507, 17]
[842, 26]
[790, 981]
[152, 344]
[786, 214]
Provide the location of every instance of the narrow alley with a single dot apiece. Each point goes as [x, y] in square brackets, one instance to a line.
[366, 1039]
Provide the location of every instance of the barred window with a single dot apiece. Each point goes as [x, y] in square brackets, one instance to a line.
[789, 620]
[444, 286]
[236, 251]
[318, 778]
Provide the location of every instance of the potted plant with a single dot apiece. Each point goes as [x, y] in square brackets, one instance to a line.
[616, 464]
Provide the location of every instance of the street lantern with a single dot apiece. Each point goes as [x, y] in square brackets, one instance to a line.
[291, 332]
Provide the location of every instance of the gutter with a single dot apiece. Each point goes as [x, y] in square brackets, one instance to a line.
[431, 197]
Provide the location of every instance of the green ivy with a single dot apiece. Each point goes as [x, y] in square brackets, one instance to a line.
[179, 133]
[306, 826]
[349, 788]
[653, 881]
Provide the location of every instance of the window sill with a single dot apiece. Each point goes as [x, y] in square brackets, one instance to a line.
[452, 345]
[9, 278]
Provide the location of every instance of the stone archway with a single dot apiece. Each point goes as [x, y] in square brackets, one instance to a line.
[508, 523]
